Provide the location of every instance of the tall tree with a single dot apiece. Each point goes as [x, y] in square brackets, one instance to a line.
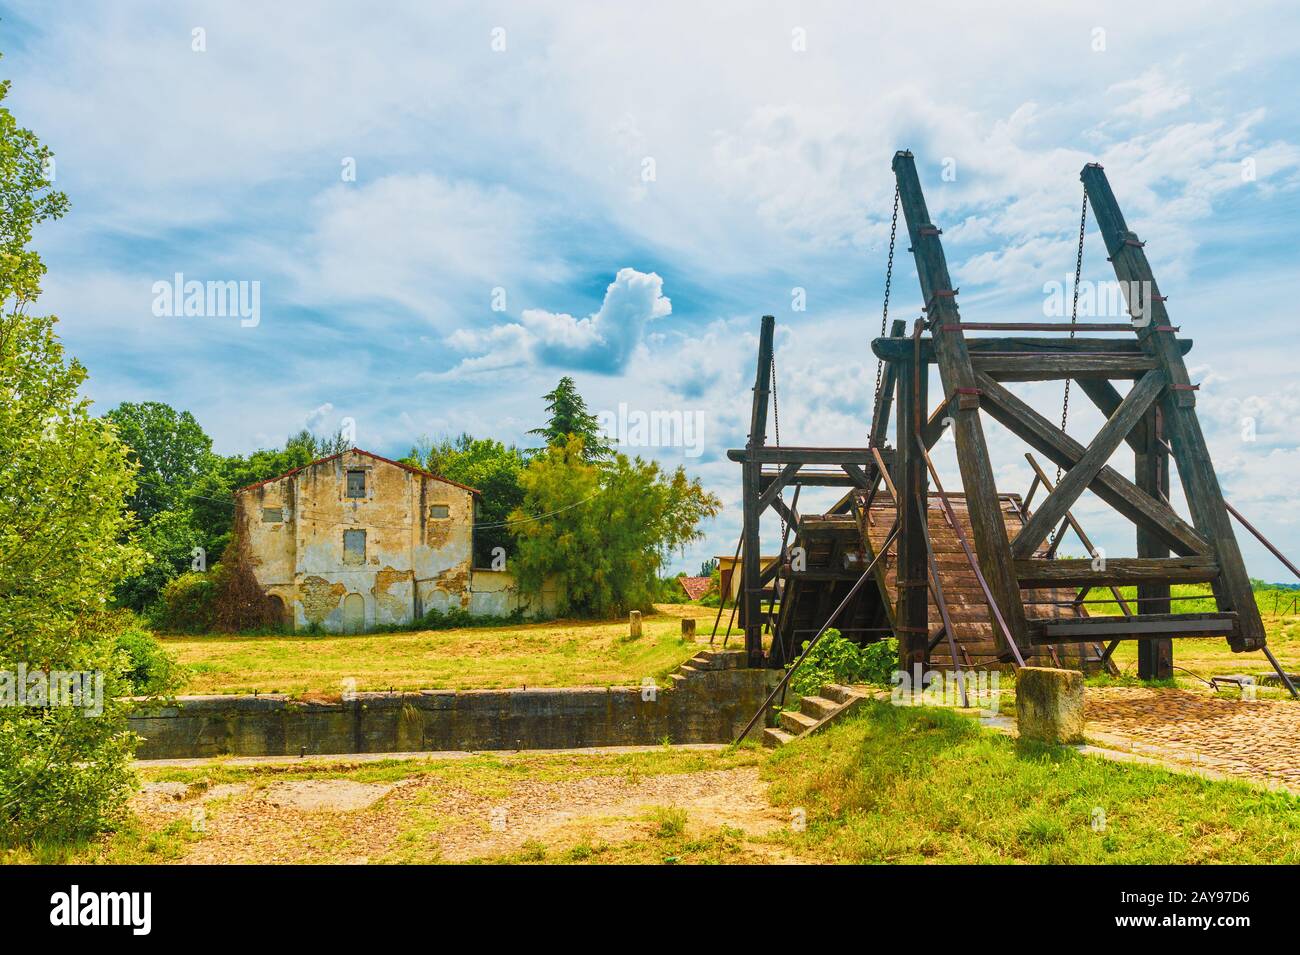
[567, 416]
[603, 531]
[64, 482]
[170, 452]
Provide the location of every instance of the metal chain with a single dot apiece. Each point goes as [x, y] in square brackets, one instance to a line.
[884, 312]
[1074, 321]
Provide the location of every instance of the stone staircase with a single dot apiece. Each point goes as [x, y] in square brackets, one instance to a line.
[707, 661]
[814, 712]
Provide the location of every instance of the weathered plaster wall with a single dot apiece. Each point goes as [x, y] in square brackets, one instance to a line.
[702, 706]
[496, 593]
[413, 560]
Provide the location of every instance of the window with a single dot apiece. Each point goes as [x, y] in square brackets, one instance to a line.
[439, 512]
[272, 515]
[356, 484]
[354, 547]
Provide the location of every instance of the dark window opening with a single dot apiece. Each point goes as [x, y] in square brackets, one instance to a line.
[356, 484]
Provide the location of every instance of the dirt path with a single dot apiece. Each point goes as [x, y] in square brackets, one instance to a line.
[1257, 739]
[424, 818]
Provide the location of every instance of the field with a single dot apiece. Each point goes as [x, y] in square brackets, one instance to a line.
[558, 653]
[889, 784]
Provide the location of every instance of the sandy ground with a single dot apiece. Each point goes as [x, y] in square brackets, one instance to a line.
[338, 820]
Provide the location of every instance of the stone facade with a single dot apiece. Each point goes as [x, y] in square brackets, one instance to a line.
[355, 541]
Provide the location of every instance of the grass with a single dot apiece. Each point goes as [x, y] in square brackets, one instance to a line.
[1212, 655]
[556, 653]
[905, 785]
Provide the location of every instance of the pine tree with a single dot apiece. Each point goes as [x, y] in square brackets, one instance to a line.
[569, 417]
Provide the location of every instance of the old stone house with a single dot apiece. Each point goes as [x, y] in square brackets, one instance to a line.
[355, 540]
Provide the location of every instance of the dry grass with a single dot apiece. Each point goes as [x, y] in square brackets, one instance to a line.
[557, 653]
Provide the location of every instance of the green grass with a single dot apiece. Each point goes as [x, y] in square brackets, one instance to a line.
[556, 653]
[897, 784]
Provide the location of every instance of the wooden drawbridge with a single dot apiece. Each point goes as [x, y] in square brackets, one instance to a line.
[972, 579]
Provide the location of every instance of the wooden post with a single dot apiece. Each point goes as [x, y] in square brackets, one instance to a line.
[912, 614]
[958, 378]
[1155, 657]
[1232, 590]
[751, 550]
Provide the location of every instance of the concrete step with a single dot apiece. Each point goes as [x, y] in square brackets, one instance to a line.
[818, 707]
[773, 737]
[838, 693]
[705, 661]
[796, 723]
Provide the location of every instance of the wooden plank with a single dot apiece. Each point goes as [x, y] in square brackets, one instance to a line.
[896, 349]
[1151, 473]
[1107, 399]
[1117, 571]
[1109, 485]
[955, 372]
[777, 486]
[1232, 590]
[1073, 483]
[912, 614]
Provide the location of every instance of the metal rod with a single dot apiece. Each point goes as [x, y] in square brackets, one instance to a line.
[735, 562]
[780, 687]
[1280, 672]
[970, 556]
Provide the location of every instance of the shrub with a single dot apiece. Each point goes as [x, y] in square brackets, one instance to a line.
[148, 668]
[186, 605]
[836, 659]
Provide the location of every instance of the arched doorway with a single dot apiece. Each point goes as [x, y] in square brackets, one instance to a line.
[354, 613]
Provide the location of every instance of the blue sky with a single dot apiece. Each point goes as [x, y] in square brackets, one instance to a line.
[503, 148]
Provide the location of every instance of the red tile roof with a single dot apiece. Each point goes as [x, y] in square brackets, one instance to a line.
[369, 454]
[695, 587]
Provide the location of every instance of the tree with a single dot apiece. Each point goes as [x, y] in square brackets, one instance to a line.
[487, 466]
[569, 417]
[603, 531]
[64, 482]
[170, 451]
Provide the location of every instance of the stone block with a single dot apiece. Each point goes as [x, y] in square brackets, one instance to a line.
[634, 624]
[1049, 704]
[688, 628]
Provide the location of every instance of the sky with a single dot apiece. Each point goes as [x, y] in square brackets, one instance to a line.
[440, 209]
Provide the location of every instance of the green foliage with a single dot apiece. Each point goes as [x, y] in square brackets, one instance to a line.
[187, 604]
[569, 418]
[671, 592]
[603, 531]
[709, 568]
[487, 466]
[168, 541]
[64, 480]
[836, 659]
[455, 619]
[149, 669]
[170, 452]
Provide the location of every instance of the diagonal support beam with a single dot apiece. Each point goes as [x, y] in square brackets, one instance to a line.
[1232, 590]
[777, 486]
[1109, 485]
[1057, 504]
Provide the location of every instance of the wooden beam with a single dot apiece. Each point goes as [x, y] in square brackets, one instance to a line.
[1107, 399]
[751, 602]
[880, 414]
[777, 485]
[1056, 367]
[1115, 571]
[787, 455]
[1151, 472]
[896, 349]
[1232, 590]
[1142, 626]
[1084, 471]
[956, 374]
[858, 475]
[1109, 485]
[912, 573]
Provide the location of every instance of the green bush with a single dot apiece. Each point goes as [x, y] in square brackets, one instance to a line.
[836, 659]
[187, 604]
[148, 668]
